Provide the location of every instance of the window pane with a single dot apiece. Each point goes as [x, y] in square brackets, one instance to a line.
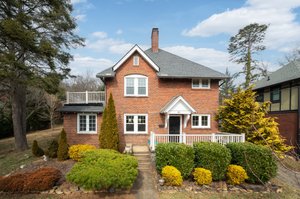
[205, 83]
[141, 123]
[129, 123]
[275, 94]
[196, 83]
[141, 127]
[82, 123]
[92, 123]
[195, 121]
[204, 121]
[130, 86]
[142, 86]
[260, 97]
[136, 60]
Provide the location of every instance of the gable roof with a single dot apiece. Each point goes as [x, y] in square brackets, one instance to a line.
[168, 64]
[174, 102]
[134, 49]
[288, 72]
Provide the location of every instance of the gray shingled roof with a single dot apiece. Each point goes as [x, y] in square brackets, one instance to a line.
[288, 72]
[173, 66]
[81, 109]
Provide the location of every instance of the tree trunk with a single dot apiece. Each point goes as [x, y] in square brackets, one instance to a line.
[248, 69]
[18, 102]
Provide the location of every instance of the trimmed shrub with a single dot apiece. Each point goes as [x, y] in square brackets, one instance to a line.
[214, 157]
[178, 155]
[236, 174]
[62, 151]
[104, 169]
[76, 150]
[258, 161]
[39, 180]
[52, 149]
[36, 150]
[172, 176]
[202, 176]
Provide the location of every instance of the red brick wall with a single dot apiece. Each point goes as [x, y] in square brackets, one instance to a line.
[287, 125]
[160, 92]
[70, 126]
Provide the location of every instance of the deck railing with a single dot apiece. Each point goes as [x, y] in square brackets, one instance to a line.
[85, 97]
[189, 139]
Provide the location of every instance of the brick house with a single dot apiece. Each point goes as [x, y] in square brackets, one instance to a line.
[282, 88]
[159, 97]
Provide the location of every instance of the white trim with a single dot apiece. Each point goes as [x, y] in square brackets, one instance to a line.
[135, 124]
[131, 52]
[87, 123]
[200, 83]
[135, 85]
[180, 133]
[185, 102]
[200, 121]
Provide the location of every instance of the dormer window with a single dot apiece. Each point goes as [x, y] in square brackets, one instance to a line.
[201, 83]
[136, 85]
[136, 60]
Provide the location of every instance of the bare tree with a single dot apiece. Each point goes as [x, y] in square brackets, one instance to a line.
[52, 104]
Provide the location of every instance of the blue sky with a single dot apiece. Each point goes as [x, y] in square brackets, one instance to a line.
[194, 29]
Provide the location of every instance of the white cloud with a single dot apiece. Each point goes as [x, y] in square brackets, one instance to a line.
[80, 17]
[84, 63]
[102, 42]
[282, 34]
[78, 1]
[209, 57]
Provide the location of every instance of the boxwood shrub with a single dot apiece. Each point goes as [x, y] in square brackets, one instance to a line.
[104, 169]
[258, 161]
[214, 157]
[178, 155]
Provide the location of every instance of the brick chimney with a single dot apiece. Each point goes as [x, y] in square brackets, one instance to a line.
[154, 40]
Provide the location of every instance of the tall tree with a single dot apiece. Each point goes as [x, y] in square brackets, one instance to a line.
[109, 133]
[35, 38]
[227, 87]
[244, 45]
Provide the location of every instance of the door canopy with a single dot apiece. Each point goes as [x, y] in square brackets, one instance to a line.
[177, 106]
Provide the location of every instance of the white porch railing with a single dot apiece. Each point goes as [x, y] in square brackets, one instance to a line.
[189, 139]
[85, 97]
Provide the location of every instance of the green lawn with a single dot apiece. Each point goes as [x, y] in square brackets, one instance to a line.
[11, 160]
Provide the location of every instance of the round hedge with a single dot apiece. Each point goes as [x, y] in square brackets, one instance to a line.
[178, 155]
[258, 161]
[214, 157]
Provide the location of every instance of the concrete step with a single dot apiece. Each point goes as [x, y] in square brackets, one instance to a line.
[140, 148]
[146, 157]
[144, 163]
[141, 154]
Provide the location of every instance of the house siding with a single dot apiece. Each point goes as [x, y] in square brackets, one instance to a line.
[160, 92]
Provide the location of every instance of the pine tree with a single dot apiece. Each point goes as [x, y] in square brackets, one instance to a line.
[109, 133]
[242, 114]
[227, 87]
[62, 152]
[36, 149]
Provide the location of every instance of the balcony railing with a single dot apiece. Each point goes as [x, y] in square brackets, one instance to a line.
[189, 139]
[86, 97]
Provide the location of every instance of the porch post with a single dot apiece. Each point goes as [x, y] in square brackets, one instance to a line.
[243, 137]
[184, 138]
[213, 137]
[152, 141]
[68, 99]
[86, 97]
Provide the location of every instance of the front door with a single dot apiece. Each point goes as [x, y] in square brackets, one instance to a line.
[174, 128]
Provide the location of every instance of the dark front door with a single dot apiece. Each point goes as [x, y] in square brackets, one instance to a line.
[174, 128]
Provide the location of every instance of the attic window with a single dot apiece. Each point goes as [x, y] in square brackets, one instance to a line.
[136, 60]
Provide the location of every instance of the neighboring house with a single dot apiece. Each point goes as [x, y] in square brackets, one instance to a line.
[282, 88]
[156, 93]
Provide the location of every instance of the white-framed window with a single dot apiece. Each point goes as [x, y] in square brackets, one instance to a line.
[136, 60]
[87, 123]
[136, 85]
[135, 123]
[200, 121]
[201, 83]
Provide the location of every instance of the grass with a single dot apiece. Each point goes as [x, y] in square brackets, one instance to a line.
[11, 160]
[291, 163]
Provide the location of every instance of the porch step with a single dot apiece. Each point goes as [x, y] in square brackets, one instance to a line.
[142, 154]
[140, 149]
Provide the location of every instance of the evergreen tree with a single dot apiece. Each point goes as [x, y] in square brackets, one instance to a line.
[242, 114]
[227, 87]
[35, 37]
[109, 133]
[244, 45]
[36, 149]
[63, 147]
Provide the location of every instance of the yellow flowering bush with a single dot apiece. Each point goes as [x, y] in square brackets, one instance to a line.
[202, 176]
[172, 176]
[236, 174]
[75, 150]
